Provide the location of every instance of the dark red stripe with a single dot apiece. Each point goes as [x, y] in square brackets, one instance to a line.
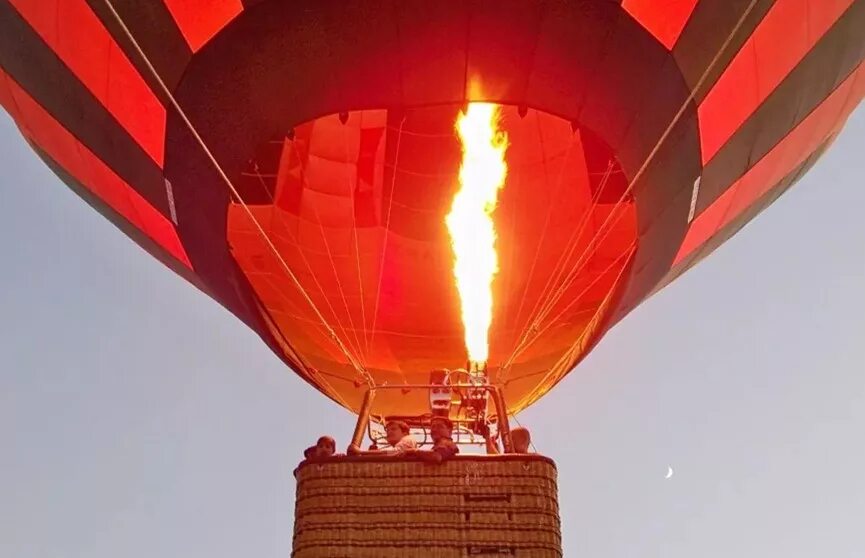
[80, 163]
[828, 64]
[726, 232]
[78, 38]
[710, 25]
[32, 65]
[806, 138]
[271, 335]
[778, 45]
[611, 105]
[154, 30]
[129, 229]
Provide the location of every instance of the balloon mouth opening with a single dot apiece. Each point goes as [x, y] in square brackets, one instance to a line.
[355, 246]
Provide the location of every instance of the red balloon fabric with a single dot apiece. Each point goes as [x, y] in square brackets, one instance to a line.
[295, 160]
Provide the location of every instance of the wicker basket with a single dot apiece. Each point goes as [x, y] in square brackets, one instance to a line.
[472, 506]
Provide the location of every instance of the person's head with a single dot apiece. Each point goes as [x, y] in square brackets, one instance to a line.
[309, 452]
[521, 439]
[396, 430]
[441, 427]
[325, 447]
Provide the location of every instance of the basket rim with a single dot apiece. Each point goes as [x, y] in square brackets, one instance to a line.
[514, 457]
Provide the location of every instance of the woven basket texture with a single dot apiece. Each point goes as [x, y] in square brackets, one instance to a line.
[466, 507]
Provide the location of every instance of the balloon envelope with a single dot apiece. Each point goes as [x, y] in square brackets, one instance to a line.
[642, 137]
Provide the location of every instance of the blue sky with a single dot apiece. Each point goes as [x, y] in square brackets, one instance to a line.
[138, 418]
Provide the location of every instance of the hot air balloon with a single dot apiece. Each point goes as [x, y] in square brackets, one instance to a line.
[296, 160]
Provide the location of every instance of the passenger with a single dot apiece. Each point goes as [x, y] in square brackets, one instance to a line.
[325, 447]
[441, 429]
[521, 439]
[398, 436]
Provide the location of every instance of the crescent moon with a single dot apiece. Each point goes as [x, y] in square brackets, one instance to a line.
[669, 472]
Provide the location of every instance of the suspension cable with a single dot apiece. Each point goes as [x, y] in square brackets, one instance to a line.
[386, 231]
[354, 235]
[564, 361]
[528, 341]
[279, 217]
[334, 337]
[544, 300]
[558, 188]
[532, 321]
[593, 245]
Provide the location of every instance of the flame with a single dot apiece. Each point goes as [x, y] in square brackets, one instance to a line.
[473, 235]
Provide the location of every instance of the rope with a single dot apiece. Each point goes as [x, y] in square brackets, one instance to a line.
[333, 267]
[337, 341]
[279, 216]
[354, 236]
[386, 231]
[578, 266]
[533, 322]
[566, 358]
[594, 244]
[547, 220]
[547, 299]
[519, 350]
[318, 374]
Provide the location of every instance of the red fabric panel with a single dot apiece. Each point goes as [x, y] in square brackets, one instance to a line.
[369, 171]
[370, 139]
[43, 130]
[664, 19]
[200, 20]
[77, 36]
[783, 38]
[389, 292]
[824, 121]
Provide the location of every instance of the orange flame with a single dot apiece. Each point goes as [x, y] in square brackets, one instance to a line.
[473, 235]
